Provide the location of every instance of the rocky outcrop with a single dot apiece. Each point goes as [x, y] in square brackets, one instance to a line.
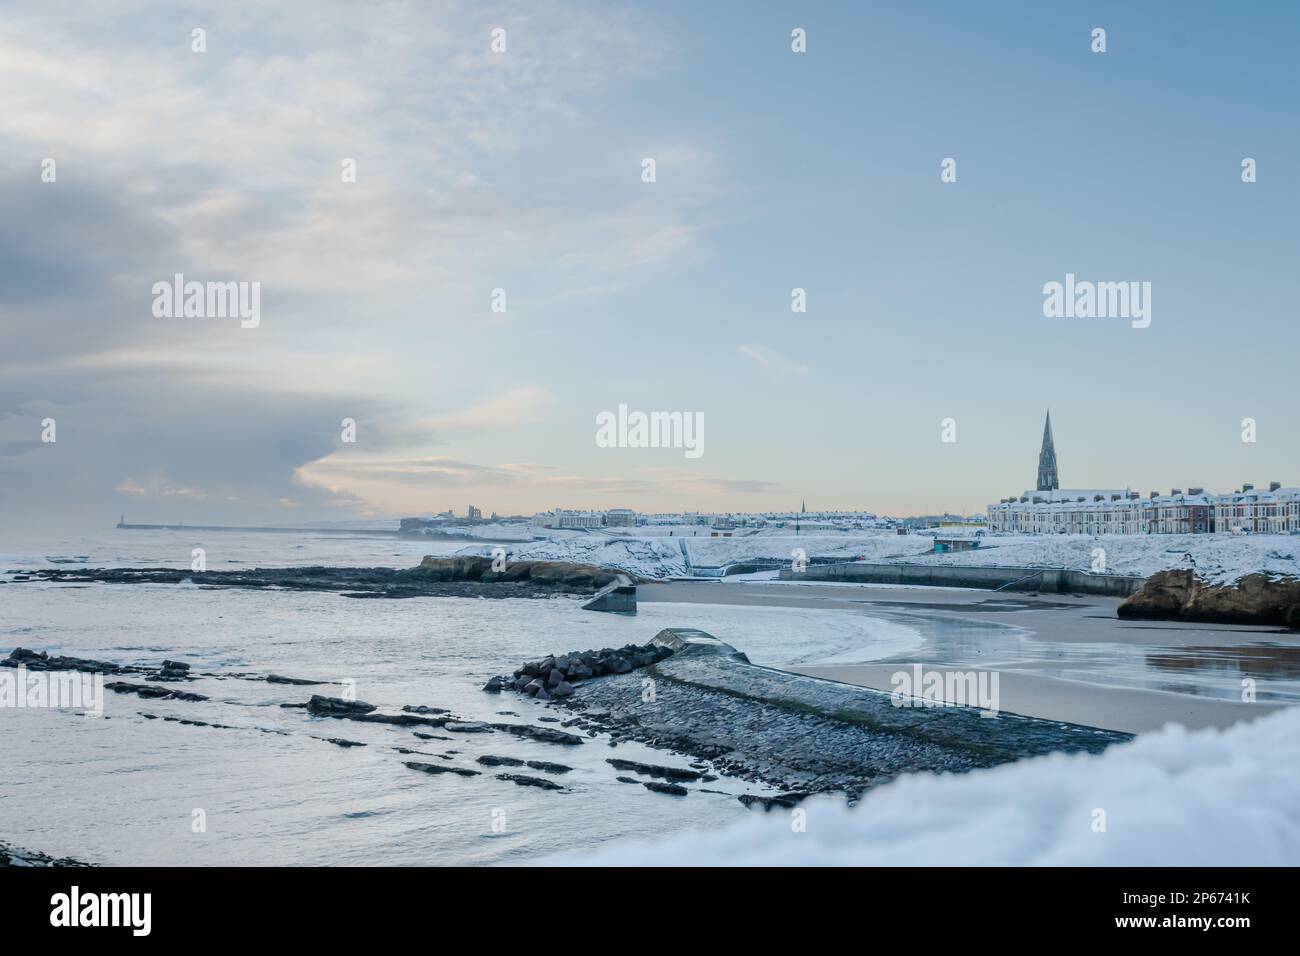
[558, 676]
[457, 576]
[337, 706]
[15, 856]
[554, 574]
[151, 693]
[40, 661]
[1180, 595]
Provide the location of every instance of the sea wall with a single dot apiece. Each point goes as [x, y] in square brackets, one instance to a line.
[1042, 580]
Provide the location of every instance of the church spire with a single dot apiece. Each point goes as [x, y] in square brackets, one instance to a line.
[1047, 478]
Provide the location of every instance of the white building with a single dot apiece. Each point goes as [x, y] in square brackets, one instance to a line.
[620, 518]
[1276, 511]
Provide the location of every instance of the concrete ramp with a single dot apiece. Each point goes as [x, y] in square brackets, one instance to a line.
[616, 597]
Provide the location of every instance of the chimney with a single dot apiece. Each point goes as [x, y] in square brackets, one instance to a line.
[1175, 491]
[1195, 491]
[1114, 497]
[1246, 488]
[1274, 485]
[1154, 494]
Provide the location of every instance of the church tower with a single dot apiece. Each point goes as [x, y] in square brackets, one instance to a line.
[1047, 478]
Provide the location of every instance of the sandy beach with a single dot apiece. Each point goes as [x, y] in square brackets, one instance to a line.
[1059, 657]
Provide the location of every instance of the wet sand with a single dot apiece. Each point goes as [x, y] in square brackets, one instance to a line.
[1058, 657]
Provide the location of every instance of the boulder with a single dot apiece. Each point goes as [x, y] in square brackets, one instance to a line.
[337, 706]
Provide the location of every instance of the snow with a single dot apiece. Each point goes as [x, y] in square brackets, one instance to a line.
[1217, 558]
[1209, 798]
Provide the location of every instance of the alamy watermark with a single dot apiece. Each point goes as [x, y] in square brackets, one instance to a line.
[626, 429]
[943, 688]
[1082, 299]
[73, 690]
[208, 300]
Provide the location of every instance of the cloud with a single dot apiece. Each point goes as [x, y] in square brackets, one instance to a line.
[773, 362]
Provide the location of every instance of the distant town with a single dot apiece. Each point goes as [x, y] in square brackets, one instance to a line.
[1047, 509]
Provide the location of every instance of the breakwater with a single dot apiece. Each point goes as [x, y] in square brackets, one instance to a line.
[1042, 580]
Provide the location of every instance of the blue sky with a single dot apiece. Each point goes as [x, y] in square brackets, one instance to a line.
[521, 171]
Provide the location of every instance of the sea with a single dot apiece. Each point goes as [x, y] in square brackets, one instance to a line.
[125, 789]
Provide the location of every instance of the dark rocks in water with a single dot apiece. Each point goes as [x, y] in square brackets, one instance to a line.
[434, 768]
[340, 742]
[467, 727]
[459, 576]
[557, 676]
[16, 856]
[151, 693]
[337, 706]
[490, 760]
[672, 789]
[301, 706]
[424, 736]
[786, 800]
[401, 720]
[172, 670]
[560, 575]
[495, 685]
[40, 661]
[627, 780]
[653, 770]
[281, 679]
[424, 709]
[547, 735]
[548, 767]
[524, 780]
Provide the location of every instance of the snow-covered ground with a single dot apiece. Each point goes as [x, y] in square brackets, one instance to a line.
[1217, 558]
[1210, 798]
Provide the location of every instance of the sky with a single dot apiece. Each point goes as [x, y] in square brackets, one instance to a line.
[522, 171]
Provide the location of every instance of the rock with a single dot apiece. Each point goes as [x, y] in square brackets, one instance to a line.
[673, 789]
[555, 678]
[337, 706]
[467, 727]
[653, 770]
[488, 760]
[40, 661]
[340, 742]
[548, 767]
[525, 781]
[563, 689]
[424, 736]
[434, 768]
[533, 687]
[494, 685]
[175, 666]
[280, 679]
[1254, 599]
[151, 693]
[14, 856]
[784, 800]
[548, 735]
[424, 709]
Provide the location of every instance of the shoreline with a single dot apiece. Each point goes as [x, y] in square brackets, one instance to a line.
[1063, 623]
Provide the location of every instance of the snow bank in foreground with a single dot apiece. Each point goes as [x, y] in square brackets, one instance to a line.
[1225, 798]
